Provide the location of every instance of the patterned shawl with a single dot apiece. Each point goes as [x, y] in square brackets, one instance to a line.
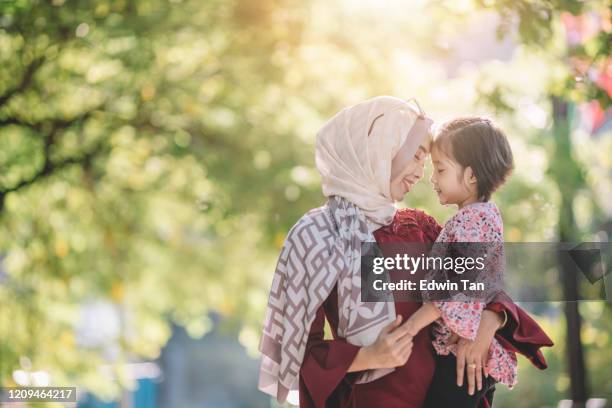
[323, 248]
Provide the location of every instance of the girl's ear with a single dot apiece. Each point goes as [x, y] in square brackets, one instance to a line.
[468, 176]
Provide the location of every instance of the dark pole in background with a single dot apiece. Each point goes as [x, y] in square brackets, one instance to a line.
[568, 177]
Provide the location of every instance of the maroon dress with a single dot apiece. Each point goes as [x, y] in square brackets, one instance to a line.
[324, 381]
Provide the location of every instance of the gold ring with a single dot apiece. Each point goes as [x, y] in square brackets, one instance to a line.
[472, 365]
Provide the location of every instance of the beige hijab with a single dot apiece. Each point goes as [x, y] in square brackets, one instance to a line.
[354, 155]
[355, 151]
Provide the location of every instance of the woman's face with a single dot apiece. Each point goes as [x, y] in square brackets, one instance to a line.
[411, 174]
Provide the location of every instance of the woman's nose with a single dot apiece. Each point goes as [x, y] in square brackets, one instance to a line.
[421, 171]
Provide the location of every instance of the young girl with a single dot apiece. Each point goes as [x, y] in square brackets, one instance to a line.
[471, 159]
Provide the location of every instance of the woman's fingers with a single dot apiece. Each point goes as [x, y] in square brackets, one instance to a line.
[400, 332]
[406, 349]
[460, 363]
[478, 374]
[485, 369]
[400, 351]
[391, 326]
[407, 353]
[471, 376]
[474, 373]
[396, 353]
[394, 324]
[404, 342]
[394, 345]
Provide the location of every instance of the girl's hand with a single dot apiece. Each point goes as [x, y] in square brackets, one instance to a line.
[392, 348]
[475, 354]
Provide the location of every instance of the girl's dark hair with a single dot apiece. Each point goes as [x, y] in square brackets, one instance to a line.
[477, 143]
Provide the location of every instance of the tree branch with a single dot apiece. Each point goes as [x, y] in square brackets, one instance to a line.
[13, 121]
[50, 167]
[25, 81]
[53, 123]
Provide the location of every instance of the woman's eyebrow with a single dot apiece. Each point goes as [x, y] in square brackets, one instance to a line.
[424, 149]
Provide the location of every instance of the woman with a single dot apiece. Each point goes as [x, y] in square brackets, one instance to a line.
[369, 156]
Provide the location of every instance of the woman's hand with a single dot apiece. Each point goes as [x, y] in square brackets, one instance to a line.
[391, 349]
[475, 354]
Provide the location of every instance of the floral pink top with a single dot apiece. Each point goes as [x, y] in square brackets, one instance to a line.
[477, 222]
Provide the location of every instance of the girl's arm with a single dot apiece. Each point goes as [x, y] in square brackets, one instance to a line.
[427, 314]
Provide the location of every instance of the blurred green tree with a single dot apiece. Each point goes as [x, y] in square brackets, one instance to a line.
[126, 134]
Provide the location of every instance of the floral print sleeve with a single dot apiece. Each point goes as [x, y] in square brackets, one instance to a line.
[462, 318]
[478, 222]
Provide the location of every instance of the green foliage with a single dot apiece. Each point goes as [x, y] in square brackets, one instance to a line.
[537, 24]
[119, 122]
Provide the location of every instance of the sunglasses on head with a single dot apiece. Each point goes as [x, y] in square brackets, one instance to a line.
[420, 113]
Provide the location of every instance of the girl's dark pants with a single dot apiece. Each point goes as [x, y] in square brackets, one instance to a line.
[444, 392]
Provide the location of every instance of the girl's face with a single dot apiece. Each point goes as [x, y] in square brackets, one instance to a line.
[411, 174]
[453, 183]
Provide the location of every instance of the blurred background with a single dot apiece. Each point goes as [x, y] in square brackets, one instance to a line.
[154, 154]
